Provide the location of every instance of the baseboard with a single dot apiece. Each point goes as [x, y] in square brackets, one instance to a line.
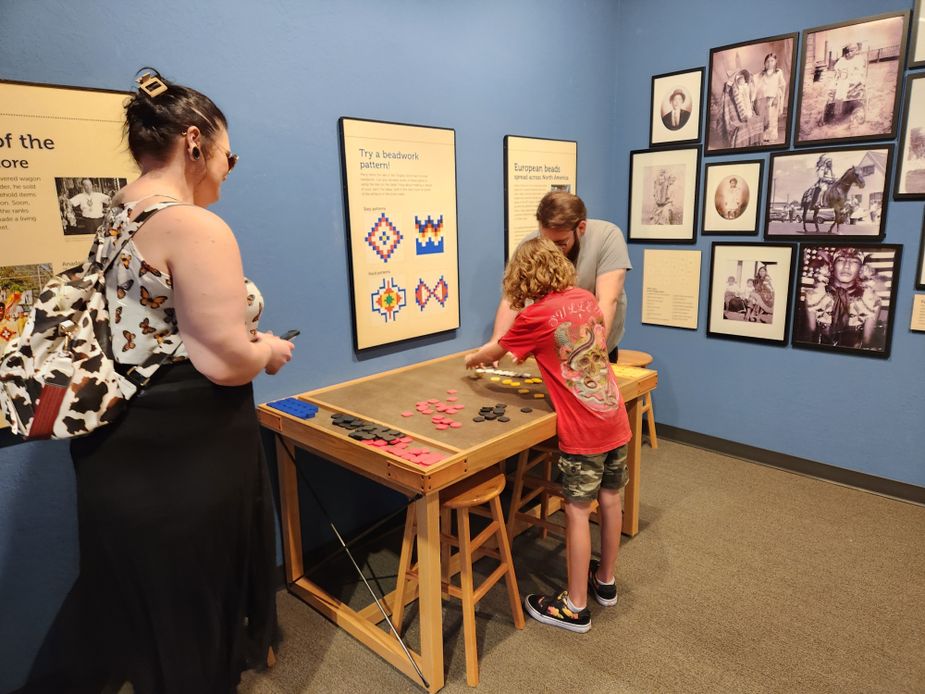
[859, 480]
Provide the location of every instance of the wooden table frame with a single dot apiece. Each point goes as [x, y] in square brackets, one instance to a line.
[320, 438]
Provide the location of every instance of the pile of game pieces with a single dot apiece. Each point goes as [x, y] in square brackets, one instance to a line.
[295, 407]
[489, 412]
[382, 437]
[433, 406]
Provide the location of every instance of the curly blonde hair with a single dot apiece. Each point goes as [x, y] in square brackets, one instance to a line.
[536, 269]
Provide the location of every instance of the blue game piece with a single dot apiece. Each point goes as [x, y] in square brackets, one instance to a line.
[295, 407]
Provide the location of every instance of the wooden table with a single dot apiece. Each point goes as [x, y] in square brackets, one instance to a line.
[380, 399]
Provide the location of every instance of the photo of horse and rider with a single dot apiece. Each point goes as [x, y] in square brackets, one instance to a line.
[829, 193]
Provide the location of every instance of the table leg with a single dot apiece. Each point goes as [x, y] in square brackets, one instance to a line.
[429, 589]
[289, 510]
[633, 455]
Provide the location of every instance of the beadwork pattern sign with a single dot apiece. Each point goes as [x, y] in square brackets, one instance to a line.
[400, 199]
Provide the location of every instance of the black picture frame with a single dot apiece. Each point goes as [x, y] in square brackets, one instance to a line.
[733, 94]
[739, 310]
[784, 215]
[920, 271]
[846, 120]
[709, 225]
[678, 81]
[910, 185]
[663, 159]
[911, 62]
[821, 298]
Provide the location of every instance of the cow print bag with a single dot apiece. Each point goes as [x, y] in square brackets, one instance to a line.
[58, 379]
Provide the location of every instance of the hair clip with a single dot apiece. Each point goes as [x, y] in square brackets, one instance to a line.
[151, 85]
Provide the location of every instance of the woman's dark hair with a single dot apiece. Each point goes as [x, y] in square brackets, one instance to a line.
[153, 122]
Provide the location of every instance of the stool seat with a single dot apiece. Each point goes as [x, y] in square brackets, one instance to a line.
[474, 495]
[632, 357]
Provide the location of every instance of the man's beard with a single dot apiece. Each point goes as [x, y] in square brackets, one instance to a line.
[572, 255]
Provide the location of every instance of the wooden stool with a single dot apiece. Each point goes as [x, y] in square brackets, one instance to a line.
[463, 498]
[630, 357]
[527, 488]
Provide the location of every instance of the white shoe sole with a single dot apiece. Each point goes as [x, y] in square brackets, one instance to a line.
[546, 619]
[603, 601]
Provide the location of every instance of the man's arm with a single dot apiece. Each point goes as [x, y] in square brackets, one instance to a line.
[607, 289]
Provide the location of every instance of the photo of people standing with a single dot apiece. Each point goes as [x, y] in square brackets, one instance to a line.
[845, 297]
[83, 202]
[750, 94]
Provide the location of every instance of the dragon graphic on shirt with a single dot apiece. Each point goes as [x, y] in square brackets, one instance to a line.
[585, 366]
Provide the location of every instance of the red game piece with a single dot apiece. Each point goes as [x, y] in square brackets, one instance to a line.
[443, 426]
[456, 425]
[453, 399]
[452, 391]
[433, 400]
[380, 443]
[407, 414]
[406, 439]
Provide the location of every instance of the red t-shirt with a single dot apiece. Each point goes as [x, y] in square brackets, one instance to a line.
[565, 333]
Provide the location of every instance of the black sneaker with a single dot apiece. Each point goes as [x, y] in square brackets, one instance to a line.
[554, 611]
[605, 594]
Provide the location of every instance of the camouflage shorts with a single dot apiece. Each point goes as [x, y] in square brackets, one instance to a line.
[582, 475]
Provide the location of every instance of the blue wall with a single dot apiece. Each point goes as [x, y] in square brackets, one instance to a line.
[580, 70]
[852, 412]
[284, 71]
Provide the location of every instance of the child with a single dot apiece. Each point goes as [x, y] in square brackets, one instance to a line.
[564, 330]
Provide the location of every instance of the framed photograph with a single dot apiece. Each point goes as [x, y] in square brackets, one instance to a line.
[917, 49]
[676, 107]
[845, 298]
[400, 209]
[731, 197]
[663, 195]
[818, 195]
[910, 169]
[751, 88]
[849, 80]
[750, 291]
[920, 273]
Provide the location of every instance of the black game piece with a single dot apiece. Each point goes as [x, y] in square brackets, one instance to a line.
[500, 404]
[491, 415]
[526, 409]
[504, 419]
[478, 419]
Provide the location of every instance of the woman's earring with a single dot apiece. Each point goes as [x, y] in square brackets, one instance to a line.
[195, 153]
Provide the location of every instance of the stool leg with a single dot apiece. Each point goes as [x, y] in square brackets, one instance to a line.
[544, 497]
[404, 562]
[504, 548]
[468, 598]
[446, 526]
[522, 459]
[650, 419]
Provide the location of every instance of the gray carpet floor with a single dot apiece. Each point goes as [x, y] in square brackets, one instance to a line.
[743, 578]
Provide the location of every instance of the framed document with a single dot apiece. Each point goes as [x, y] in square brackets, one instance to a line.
[62, 158]
[670, 287]
[845, 300]
[676, 107]
[731, 197]
[849, 80]
[663, 195]
[400, 208]
[750, 291]
[532, 167]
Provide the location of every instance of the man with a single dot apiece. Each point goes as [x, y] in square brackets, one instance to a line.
[92, 206]
[677, 117]
[825, 176]
[597, 250]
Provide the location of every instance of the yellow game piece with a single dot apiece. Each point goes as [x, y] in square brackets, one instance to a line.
[506, 381]
[495, 378]
[515, 384]
[539, 395]
[524, 390]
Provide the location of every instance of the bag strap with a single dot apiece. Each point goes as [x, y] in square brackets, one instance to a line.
[139, 222]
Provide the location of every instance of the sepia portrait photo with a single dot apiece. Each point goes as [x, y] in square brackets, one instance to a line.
[750, 92]
[731, 195]
[675, 112]
[849, 80]
[910, 170]
[663, 194]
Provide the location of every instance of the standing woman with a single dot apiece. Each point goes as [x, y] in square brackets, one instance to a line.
[176, 526]
[769, 96]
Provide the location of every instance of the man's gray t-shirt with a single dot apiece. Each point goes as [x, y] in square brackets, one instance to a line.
[602, 250]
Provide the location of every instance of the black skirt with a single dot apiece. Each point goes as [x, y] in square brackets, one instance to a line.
[177, 545]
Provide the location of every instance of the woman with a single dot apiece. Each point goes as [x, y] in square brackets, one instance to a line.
[761, 298]
[770, 87]
[176, 585]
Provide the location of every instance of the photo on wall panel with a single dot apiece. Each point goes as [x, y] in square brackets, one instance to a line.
[676, 107]
[732, 197]
[910, 169]
[663, 195]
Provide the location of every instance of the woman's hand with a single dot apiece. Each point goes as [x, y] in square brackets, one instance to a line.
[280, 351]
